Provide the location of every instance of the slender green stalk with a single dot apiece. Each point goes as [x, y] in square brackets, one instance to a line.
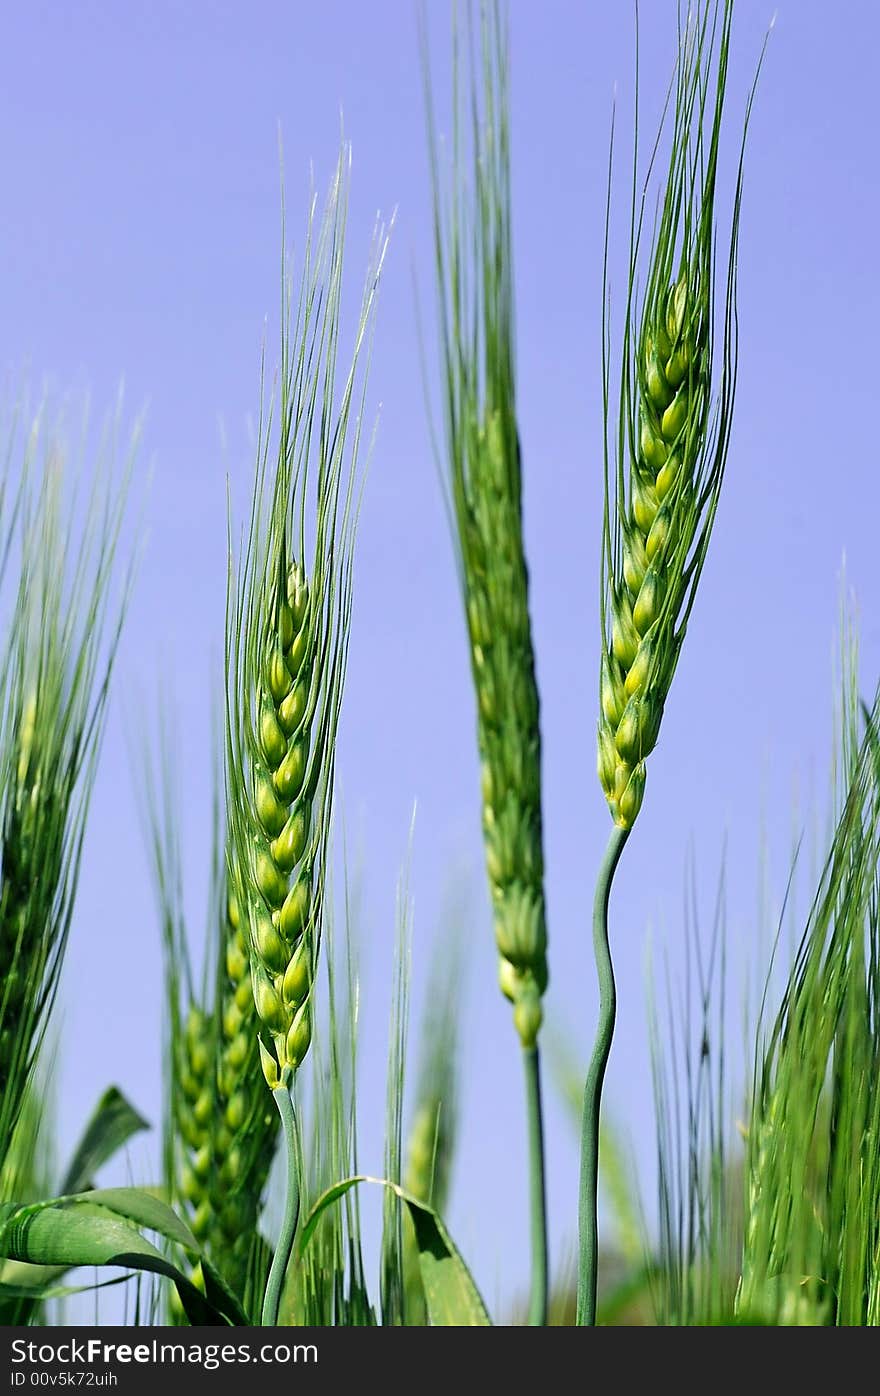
[392, 1292]
[284, 1247]
[588, 1219]
[537, 1189]
[433, 1127]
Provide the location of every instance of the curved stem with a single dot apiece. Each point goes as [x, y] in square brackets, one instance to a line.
[284, 1248]
[537, 1189]
[588, 1226]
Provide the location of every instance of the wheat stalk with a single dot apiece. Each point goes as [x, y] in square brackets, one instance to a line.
[475, 297]
[287, 643]
[664, 465]
[472, 223]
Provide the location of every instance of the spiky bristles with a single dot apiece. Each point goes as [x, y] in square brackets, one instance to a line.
[671, 442]
[475, 293]
[287, 640]
[29, 827]
[811, 1244]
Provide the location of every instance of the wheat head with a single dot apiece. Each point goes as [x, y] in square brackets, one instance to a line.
[475, 294]
[288, 642]
[664, 468]
[58, 653]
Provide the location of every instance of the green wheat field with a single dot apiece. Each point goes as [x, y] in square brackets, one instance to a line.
[768, 1155]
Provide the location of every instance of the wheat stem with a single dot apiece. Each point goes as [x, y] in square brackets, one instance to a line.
[588, 1255]
[284, 1248]
[537, 1189]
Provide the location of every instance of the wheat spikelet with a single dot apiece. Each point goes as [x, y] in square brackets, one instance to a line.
[195, 1115]
[670, 445]
[287, 647]
[474, 274]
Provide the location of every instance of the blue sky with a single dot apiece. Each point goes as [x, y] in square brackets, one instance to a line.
[139, 224]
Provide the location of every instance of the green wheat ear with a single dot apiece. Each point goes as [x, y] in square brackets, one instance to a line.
[287, 640]
[665, 458]
[287, 631]
[475, 293]
[227, 1128]
[474, 274]
[59, 646]
[664, 465]
[220, 1129]
[810, 1252]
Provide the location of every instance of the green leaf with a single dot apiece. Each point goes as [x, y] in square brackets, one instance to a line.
[221, 1297]
[451, 1295]
[112, 1124]
[39, 1282]
[98, 1229]
[72, 1235]
[145, 1209]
